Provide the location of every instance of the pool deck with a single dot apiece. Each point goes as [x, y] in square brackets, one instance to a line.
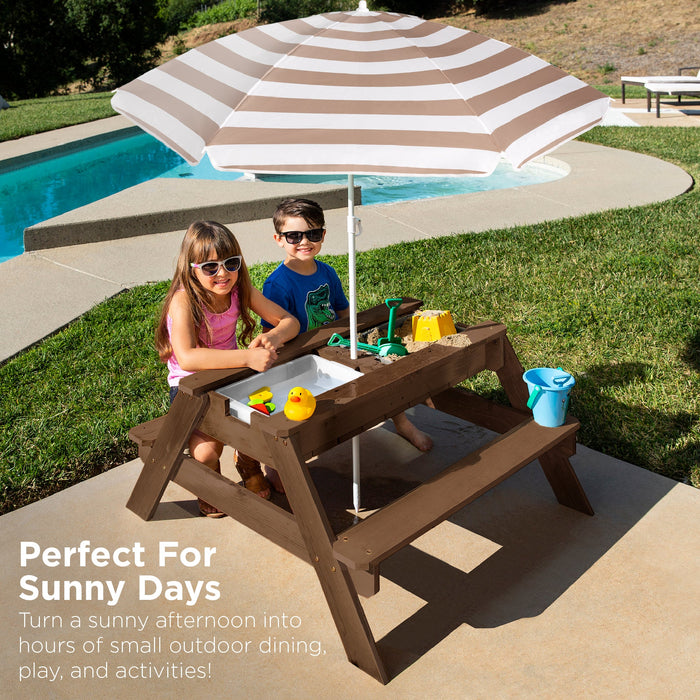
[512, 597]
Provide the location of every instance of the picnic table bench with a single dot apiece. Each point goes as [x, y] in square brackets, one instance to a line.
[348, 563]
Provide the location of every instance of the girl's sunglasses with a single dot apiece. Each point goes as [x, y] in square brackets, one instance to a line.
[313, 235]
[211, 268]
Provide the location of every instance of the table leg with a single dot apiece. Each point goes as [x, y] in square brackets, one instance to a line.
[337, 585]
[511, 377]
[166, 455]
[556, 467]
[564, 482]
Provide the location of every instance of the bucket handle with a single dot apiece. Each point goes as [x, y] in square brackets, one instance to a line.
[560, 381]
[532, 400]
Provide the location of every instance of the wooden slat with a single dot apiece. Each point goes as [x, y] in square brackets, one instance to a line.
[511, 378]
[478, 410]
[564, 482]
[335, 580]
[166, 455]
[145, 434]
[262, 516]
[368, 543]
[352, 408]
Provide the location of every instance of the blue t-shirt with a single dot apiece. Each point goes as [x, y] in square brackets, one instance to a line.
[313, 299]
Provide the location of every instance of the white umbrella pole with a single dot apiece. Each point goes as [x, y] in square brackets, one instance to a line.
[352, 229]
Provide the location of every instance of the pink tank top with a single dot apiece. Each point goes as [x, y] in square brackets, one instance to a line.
[223, 335]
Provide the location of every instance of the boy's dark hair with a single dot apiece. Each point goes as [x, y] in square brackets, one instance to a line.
[306, 209]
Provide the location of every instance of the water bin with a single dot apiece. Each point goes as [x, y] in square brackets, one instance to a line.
[549, 394]
[313, 373]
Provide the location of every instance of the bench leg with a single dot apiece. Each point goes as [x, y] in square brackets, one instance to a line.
[336, 582]
[165, 457]
[564, 482]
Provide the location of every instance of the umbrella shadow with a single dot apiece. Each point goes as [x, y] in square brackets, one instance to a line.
[538, 548]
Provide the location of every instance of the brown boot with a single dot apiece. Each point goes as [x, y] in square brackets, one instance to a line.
[251, 473]
[207, 509]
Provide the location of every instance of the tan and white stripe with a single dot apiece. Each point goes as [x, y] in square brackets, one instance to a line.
[360, 92]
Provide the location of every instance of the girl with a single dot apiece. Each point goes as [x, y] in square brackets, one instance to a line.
[210, 292]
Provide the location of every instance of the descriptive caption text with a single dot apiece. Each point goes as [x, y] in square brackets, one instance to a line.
[105, 645]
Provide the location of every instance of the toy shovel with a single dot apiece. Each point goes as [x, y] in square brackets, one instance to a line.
[391, 344]
[337, 340]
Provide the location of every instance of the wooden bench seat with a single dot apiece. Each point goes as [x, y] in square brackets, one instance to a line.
[145, 434]
[365, 545]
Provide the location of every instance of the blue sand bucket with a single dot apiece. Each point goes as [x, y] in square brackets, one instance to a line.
[549, 394]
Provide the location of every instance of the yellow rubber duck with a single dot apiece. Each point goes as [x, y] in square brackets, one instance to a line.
[300, 404]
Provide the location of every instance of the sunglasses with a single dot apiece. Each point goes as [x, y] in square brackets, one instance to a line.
[211, 268]
[313, 235]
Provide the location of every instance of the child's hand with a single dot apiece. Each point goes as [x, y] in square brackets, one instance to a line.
[264, 340]
[260, 359]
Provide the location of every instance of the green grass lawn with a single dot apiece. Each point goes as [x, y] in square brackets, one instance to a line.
[613, 298]
[27, 117]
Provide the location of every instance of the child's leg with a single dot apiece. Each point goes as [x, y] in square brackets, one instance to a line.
[408, 431]
[207, 451]
[274, 478]
[251, 473]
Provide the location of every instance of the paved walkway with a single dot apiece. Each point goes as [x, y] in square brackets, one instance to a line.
[513, 597]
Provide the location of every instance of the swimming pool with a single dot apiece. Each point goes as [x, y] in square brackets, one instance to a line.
[54, 184]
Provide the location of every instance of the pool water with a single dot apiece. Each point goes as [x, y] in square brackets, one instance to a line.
[55, 185]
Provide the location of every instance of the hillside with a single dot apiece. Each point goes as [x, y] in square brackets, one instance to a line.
[600, 40]
[595, 40]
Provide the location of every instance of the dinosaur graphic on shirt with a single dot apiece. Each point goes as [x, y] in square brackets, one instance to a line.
[318, 307]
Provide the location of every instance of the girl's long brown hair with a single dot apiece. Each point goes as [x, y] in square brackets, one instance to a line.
[204, 240]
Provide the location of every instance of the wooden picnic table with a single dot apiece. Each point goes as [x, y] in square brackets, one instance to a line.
[348, 563]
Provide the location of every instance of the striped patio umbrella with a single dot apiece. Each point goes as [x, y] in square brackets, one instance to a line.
[360, 93]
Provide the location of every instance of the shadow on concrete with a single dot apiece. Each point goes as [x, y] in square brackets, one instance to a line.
[542, 548]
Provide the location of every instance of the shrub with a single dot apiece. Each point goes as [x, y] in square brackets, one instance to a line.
[228, 11]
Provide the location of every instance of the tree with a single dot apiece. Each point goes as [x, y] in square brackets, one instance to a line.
[119, 38]
[38, 48]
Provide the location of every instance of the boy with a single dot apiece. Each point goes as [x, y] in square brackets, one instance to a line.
[310, 289]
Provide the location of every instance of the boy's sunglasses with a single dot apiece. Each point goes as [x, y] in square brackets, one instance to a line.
[313, 235]
[211, 268]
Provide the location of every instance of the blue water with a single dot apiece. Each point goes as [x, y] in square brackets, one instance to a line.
[55, 185]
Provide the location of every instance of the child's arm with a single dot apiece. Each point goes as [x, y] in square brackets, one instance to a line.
[193, 357]
[285, 326]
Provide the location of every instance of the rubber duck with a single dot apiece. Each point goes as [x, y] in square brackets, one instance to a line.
[300, 404]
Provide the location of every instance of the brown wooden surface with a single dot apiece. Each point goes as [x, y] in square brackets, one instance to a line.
[166, 455]
[359, 405]
[381, 534]
[235, 500]
[511, 378]
[478, 410]
[382, 392]
[564, 482]
[337, 585]
[303, 344]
